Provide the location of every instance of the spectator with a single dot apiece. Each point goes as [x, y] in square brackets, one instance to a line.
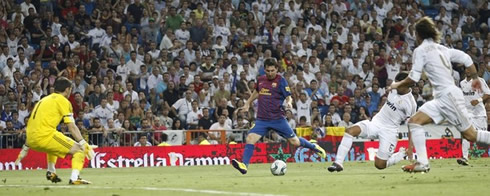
[142, 139]
[164, 139]
[183, 106]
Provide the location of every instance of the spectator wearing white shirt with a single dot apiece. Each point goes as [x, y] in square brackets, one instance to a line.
[142, 141]
[131, 92]
[193, 116]
[134, 64]
[345, 121]
[220, 125]
[97, 34]
[189, 53]
[355, 68]
[183, 106]
[8, 71]
[303, 107]
[154, 78]
[103, 112]
[182, 34]
[22, 62]
[25, 7]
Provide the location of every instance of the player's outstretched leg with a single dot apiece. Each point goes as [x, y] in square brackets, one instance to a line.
[299, 141]
[77, 165]
[51, 173]
[418, 139]
[247, 154]
[344, 148]
[252, 138]
[465, 147]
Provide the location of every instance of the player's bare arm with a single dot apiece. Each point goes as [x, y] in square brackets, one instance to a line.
[407, 82]
[75, 132]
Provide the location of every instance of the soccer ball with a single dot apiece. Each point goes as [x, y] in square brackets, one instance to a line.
[279, 168]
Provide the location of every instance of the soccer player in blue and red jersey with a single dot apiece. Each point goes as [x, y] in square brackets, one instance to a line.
[271, 90]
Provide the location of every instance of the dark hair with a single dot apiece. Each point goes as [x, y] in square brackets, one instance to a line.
[401, 76]
[61, 84]
[164, 137]
[426, 29]
[270, 62]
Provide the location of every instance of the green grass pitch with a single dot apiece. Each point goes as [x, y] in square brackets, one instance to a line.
[359, 178]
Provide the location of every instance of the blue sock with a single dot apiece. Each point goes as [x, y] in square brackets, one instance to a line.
[247, 153]
[307, 144]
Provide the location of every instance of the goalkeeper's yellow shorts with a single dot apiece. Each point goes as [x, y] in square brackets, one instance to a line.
[58, 145]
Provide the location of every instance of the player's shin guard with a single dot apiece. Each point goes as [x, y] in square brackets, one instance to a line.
[418, 140]
[343, 149]
[77, 164]
[247, 153]
[483, 137]
[307, 144]
[465, 147]
[51, 162]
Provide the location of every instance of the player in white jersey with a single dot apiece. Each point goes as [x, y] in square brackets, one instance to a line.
[448, 103]
[399, 106]
[474, 102]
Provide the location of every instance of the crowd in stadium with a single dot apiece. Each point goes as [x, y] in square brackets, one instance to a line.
[188, 64]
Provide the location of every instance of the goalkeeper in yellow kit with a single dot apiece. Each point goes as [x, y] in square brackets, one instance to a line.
[42, 135]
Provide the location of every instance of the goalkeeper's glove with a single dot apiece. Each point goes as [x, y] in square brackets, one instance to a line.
[22, 154]
[87, 149]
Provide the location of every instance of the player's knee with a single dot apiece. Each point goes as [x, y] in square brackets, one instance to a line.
[294, 141]
[379, 164]
[470, 134]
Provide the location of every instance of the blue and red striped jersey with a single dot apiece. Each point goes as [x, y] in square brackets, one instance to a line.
[272, 94]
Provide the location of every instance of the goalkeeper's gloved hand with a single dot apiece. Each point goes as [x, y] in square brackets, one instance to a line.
[87, 149]
[22, 154]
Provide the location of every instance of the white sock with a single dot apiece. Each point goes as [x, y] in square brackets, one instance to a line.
[418, 140]
[395, 158]
[51, 168]
[483, 137]
[74, 174]
[343, 149]
[465, 147]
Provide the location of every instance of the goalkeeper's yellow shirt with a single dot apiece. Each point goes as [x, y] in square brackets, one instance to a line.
[46, 116]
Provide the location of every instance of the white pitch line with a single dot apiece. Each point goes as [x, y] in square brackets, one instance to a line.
[215, 192]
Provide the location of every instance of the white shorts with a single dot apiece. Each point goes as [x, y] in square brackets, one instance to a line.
[450, 106]
[480, 123]
[387, 137]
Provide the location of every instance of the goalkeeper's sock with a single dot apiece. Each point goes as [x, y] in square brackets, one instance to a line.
[52, 162]
[247, 153]
[77, 164]
[74, 175]
[307, 144]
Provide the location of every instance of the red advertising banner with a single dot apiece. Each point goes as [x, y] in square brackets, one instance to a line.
[115, 157]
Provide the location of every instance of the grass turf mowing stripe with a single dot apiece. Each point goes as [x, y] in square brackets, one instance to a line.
[213, 192]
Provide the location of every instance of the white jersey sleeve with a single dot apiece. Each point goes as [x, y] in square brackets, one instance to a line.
[459, 56]
[417, 65]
